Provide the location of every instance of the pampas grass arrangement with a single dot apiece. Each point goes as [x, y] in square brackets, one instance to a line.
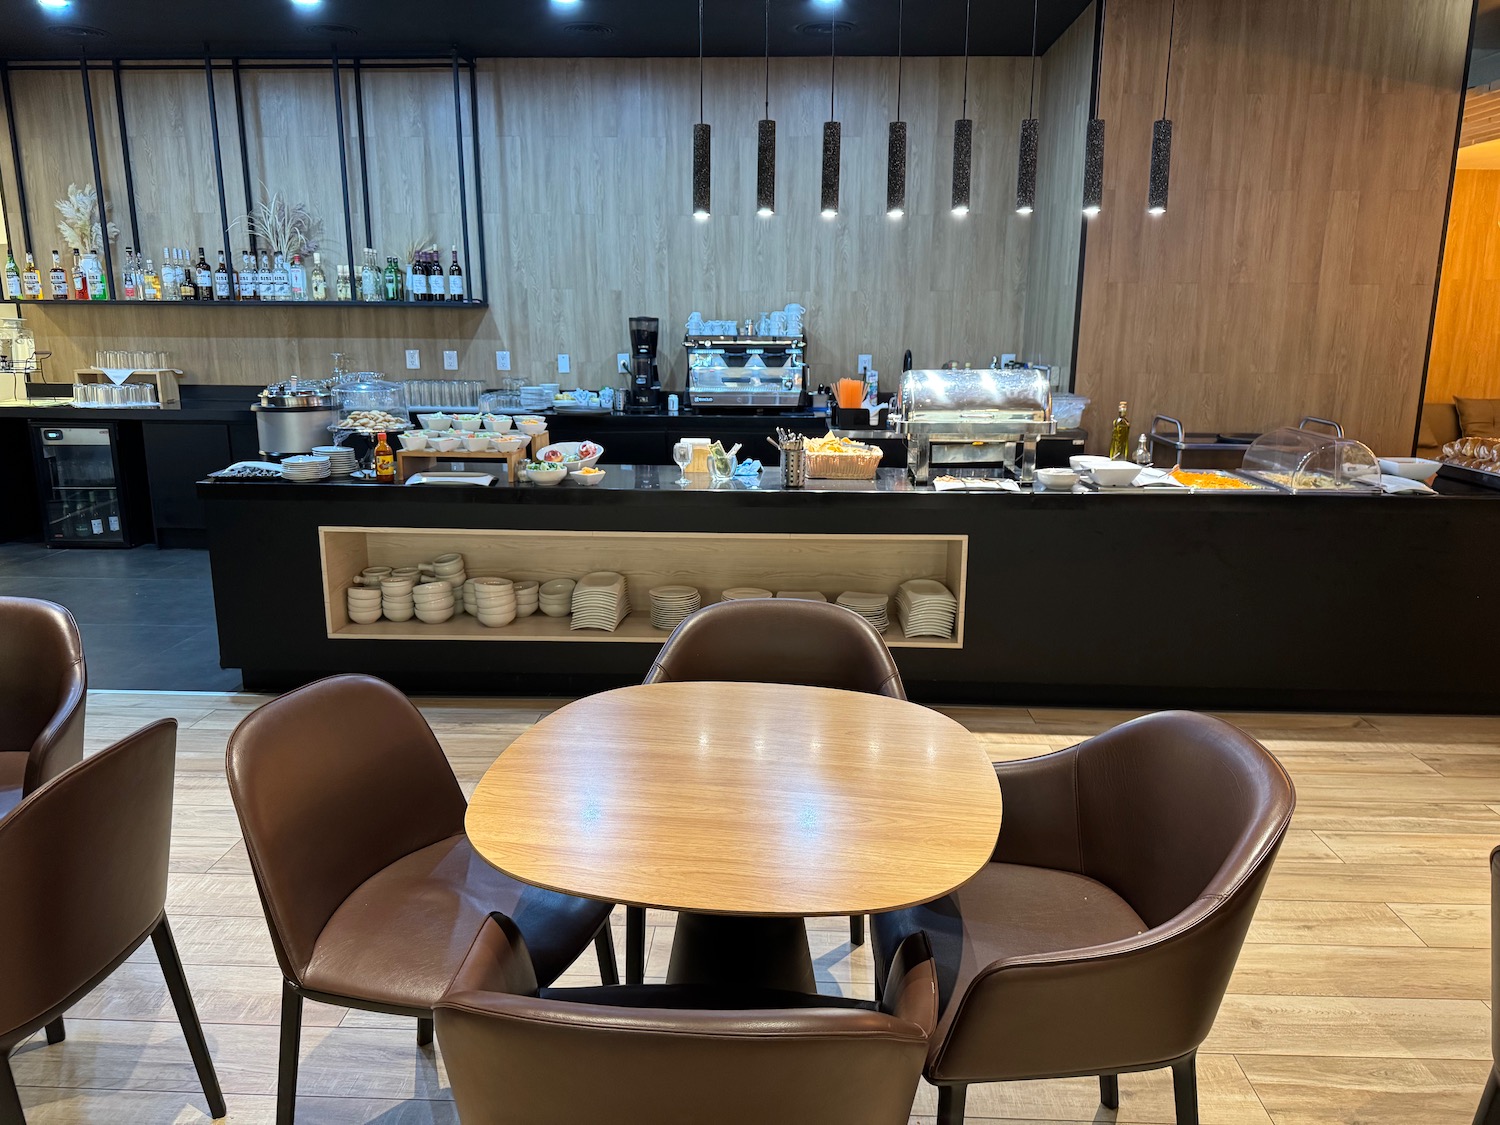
[79, 224]
[284, 227]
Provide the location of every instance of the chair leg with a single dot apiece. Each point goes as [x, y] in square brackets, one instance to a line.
[1185, 1089]
[291, 1042]
[424, 1032]
[635, 944]
[1488, 1112]
[604, 946]
[56, 1033]
[1109, 1091]
[187, 1016]
[10, 1098]
[856, 929]
[951, 1101]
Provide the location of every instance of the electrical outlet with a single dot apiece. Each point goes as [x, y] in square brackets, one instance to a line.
[865, 363]
[413, 359]
[563, 364]
[622, 361]
[450, 361]
[502, 361]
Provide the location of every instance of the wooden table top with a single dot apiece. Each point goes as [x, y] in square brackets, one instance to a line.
[741, 798]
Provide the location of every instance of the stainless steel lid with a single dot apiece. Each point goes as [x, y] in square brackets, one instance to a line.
[290, 396]
[1023, 391]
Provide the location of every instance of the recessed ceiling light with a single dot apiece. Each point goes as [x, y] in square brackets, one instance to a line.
[827, 3]
[307, 3]
[565, 3]
[54, 3]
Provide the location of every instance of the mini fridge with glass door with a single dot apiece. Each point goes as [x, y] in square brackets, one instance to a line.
[92, 484]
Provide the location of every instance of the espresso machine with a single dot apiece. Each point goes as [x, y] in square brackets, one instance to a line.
[645, 379]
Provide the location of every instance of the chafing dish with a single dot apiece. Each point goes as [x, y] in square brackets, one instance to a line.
[974, 418]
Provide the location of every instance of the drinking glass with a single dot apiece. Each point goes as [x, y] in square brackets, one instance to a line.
[682, 455]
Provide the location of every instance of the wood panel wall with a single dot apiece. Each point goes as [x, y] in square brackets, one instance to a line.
[1466, 338]
[586, 203]
[1294, 271]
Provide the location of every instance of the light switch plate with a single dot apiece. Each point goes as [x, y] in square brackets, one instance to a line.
[413, 359]
[450, 361]
[563, 365]
[502, 361]
[865, 363]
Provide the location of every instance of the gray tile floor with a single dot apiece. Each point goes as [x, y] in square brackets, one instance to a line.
[146, 615]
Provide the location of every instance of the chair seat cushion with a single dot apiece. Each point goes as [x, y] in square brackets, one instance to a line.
[1006, 911]
[701, 998]
[401, 936]
[12, 777]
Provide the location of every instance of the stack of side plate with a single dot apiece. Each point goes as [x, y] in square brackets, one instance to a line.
[874, 608]
[670, 604]
[305, 468]
[600, 601]
[802, 595]
[745, 593]
[926, 608]
[341, 459]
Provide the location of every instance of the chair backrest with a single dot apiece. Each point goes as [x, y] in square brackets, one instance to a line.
[779, 640]
[42, 687]
[334, 782]
[516, 1059]
[83, 874]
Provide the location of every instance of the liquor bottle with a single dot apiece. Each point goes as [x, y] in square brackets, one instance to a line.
[319, 279]
[31, 279]
[1119, 437]
[418, 285]
[385, 462]
[13, 277]
[57, 278]
[297, 278]
[369, 287]
[343, 286]
[187, 277]
[265, 284]
[281, 279]
[129, 289]
[98, 283]
[150, 282]
[222, 289]
[392, 291]
[203, 277]
[80, 280]
[166, 279]
[455, 279]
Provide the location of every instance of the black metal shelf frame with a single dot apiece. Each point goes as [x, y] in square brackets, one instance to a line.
[336, 65]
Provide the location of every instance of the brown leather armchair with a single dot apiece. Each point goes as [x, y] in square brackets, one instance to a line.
[775, 640]
[83, 876]
[42, 689]
[354, 824]
[1102, 935]
[1488, 1112]
[678, 1055]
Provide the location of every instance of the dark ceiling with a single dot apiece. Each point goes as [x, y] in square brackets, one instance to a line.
[516, 28]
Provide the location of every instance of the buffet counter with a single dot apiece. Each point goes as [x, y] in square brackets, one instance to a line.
[1104, 599]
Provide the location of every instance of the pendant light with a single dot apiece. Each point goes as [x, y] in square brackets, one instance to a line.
[702, 142]
[832, 132]
[1161, 137]
[1030, 130]
[1093, 145]
[963, 135]
[895, 165]
[765, 164]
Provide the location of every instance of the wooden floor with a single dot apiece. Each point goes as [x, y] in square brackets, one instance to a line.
[1361, 998]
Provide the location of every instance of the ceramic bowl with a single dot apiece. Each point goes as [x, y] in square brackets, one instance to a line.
[589, 477]
[557, 587]
[564, 448]
[364, 616]
[497, 423]
[496, 620]
[549, 476]
[1085, 463]
[468, 422]
[414, 440]
[431, 588]
[508, 444]
[394, 614]
[1411, 468]
[554, 610]
[446, 444]
[532, 426]
[1116, 474]
[479, 443]
[1056, 480]
[435, 616]
[438, 421]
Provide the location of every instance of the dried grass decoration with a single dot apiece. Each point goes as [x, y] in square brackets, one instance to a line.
[286, 228]
[79, 225]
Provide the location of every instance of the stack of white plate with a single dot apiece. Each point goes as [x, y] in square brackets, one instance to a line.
[341, 459]
[304, 467]
[493, 600]
[537, 398]
[670, 604]
[802, 595]
[526, 598]
[926, 608]
[745, 593]
[556, 597]
[600, 601]
[874, 608]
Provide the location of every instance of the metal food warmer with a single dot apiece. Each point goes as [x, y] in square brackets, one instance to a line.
[747, 372]
[974, 419]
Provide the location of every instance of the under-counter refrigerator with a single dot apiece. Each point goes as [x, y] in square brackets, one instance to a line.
[92, 485]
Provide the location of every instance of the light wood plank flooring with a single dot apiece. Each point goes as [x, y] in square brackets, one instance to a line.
[1362, 997]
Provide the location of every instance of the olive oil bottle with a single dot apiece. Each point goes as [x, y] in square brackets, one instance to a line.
[1119, 437]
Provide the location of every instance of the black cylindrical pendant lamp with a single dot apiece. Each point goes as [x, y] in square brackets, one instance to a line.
[963, 164]
[765, 171]
[1093, 168]
[895, 172]
[702, 160]
[832, 153]
[1026, 167]
[1161, 167]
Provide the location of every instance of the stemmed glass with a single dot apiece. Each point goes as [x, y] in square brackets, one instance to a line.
[682, 454]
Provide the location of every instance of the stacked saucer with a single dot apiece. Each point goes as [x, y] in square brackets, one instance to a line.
[526, 598]
[600, 601]
[872, 607]
[745, 593]
[802, 595]
[395, 597]
[493, 600]
[556, 597]
[364, 604]
[305, 468]
[341, 459]
[434, 602]
[670, 604]
[926, 608]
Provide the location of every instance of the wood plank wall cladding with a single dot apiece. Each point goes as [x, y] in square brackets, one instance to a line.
[1481, 116]
[1293, 273]
[587, 210]
[1466, 338]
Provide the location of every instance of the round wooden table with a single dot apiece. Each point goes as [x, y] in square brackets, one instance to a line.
[741, 799]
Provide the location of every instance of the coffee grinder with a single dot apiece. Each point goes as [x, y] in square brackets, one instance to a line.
[645, 379]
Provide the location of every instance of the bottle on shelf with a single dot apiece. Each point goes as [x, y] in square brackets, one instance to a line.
[437, 280]
[223, 289]
[57, 278]
[297, 278]
[318, 279]
[13, 277]
[392, 286]
[281, 279]
[150, 282]
[417, 289]
[1142, 452]
[31, 279]
[98, 283]
[187, 277]
[203, 277]
[244, 279]
[385, 462]
[343, 285]
[80, 279]
[1119, 437]
[369, 286]
[134, 277]
[455, 279]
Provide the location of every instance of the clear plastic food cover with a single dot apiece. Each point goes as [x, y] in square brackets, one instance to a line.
[1308, 461]
[368, 391]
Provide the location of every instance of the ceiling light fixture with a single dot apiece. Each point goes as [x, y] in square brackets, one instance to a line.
[963, 135]
[895, 165]
[1093, 144]
[1030, 131]
[832, 133]
[307, 3]
[1161, 137]
[702, 142]
[765, 163]
[54, 3]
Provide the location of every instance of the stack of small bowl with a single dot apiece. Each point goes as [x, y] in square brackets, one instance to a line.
[364, 604]
[556, 597]
[526, 598]
[395, 595]
[492, 600]
[434, 602]
[449, 569]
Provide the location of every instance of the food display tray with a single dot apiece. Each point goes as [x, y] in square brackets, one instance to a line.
[1252, 484]
[1463, 473]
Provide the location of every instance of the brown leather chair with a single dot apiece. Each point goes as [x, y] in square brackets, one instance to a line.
[42, 688]
[1488, 1112]
[770, 640]
[83, 876]
[354, 824]
[1102, 935]
[678, 1055]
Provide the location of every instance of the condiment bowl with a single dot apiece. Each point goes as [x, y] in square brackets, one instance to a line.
[1056, 480]
[1116, 474]
[509, 444]
[497, 423]
[532, 426]
[414, 440]
[479, 443]
[446, 444]
[1411, 468]
[468, 422]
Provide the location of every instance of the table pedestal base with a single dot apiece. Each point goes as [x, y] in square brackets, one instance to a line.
[741, 951]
